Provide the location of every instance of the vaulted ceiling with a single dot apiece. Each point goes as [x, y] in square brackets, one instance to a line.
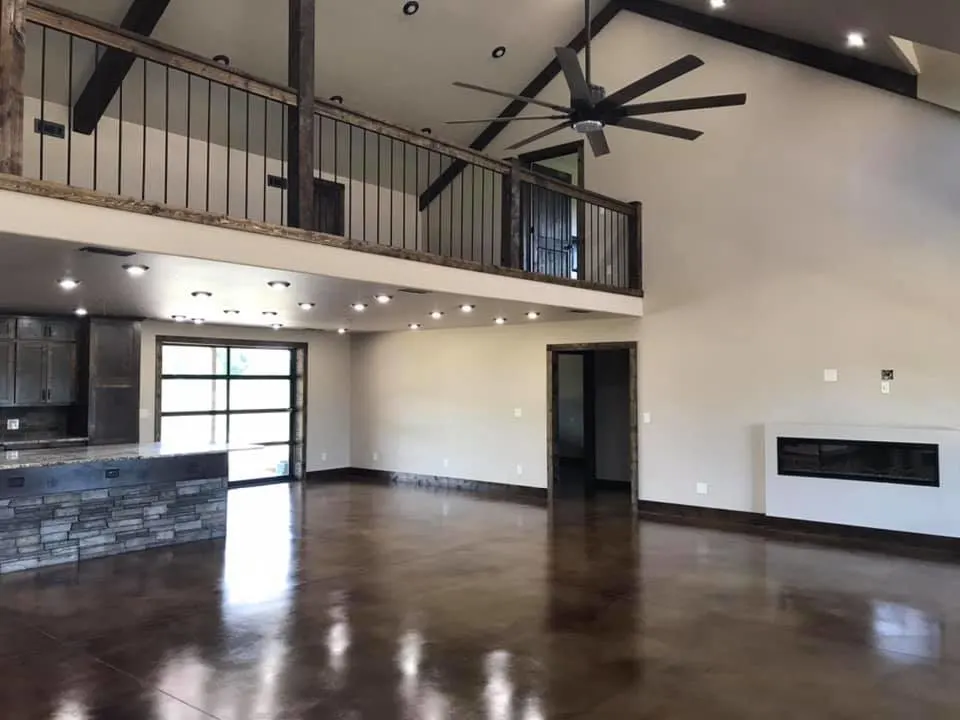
[401, 68]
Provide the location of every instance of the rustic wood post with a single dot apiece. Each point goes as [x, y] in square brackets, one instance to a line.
[635, 247]
[300, 153]
[12, 58]
[511, 211]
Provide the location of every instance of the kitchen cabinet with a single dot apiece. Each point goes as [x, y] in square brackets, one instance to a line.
[30, 385]
[45, 373]
[7, 371]
[8, 328]
[46, 329]
[114, 382]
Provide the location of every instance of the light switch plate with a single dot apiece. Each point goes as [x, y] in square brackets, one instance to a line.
[518, 412]
[885, 387]
[831, 375]
[13, 424]
[144, 414]
[646, 418]
[702, 488]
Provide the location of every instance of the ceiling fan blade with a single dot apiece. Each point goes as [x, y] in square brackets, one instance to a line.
[511, 96]
[701, 103]
[658, 128]
[506, 120]
[539, 135]
[598, 143]
[686, 64]
[570, 64]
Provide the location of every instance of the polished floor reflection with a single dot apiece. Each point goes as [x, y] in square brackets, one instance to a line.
[356, 602]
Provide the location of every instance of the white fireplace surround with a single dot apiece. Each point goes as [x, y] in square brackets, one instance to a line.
[879, 505]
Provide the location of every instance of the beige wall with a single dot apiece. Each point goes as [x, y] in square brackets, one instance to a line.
[328, 384]
[420, 399]
[815, 228]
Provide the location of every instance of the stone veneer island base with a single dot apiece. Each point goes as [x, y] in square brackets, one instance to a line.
[62, 506]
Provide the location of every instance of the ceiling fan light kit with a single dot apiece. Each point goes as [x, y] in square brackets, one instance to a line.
[591, 110]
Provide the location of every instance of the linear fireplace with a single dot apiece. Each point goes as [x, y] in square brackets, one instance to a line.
[902, 463]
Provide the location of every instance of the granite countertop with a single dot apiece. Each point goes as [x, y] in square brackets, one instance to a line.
[27, 444]
[19, 459]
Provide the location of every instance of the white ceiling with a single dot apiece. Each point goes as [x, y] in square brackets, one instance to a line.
[382, 62]
[31, 268]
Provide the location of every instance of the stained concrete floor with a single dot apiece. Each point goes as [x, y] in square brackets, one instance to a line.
[364, 602]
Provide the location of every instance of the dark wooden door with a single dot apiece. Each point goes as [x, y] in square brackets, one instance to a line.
[30, 384]
[61, 373]
[548, 226]
[7, 376]
[329, 207]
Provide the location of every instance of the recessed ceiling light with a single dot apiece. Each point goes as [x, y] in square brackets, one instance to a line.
[269, 313]
[467, 308]
[68, 283]
[338, 99]
[342, 331]
[277, 326]
[307, 306]
[718, 4]
[279, 284]
[414, 326]
[383, 299]
[359, 307]
[198, 321]
[532, 315]
[179, 318]
[499, 52]
[500, 321]
[436, 314]
[136, 270]
[411, 7]
[231, 312]
[202, 294]
[856, 40]
[80, 312]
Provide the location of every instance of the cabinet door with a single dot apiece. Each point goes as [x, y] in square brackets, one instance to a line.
[60, 330]
[61, 373]
[7, 358]
[30, 328]
[8, 328]
[30, 386]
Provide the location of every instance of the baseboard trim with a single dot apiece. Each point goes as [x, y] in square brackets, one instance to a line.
[499, 491]
[846, 536]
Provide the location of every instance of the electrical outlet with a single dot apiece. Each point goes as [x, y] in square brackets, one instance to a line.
[647, 419]
[323, 457]
[702, 488]
[518, 412]
[446, 462]
[13, 424]
[519, 469]
[376, 456]
[885, 387]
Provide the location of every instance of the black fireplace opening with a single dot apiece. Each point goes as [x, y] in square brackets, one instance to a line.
[866, 460]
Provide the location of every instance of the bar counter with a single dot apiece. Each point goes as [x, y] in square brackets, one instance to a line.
[63, 505]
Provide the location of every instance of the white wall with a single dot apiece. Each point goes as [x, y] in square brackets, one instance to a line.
[328, 384]
[421, 398]
[815, 228]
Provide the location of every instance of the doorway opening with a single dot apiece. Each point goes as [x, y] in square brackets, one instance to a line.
[592, 421]
[212, 391]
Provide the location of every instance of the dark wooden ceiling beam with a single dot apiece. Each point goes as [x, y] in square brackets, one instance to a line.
[533, 88]
[831, 61]
[141, 18]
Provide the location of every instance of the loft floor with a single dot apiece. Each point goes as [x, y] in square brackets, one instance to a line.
[359, 601]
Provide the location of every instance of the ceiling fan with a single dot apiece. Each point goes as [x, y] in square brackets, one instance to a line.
[591, 109]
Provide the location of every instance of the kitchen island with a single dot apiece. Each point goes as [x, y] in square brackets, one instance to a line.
[63, 505]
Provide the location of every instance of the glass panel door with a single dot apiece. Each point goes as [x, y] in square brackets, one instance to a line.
[240, 395]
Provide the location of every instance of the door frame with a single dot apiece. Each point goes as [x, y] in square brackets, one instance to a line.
[552, 352]
[575, 147]
[299, 431]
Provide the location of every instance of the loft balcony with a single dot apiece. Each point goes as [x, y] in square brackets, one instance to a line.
[192, 139]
